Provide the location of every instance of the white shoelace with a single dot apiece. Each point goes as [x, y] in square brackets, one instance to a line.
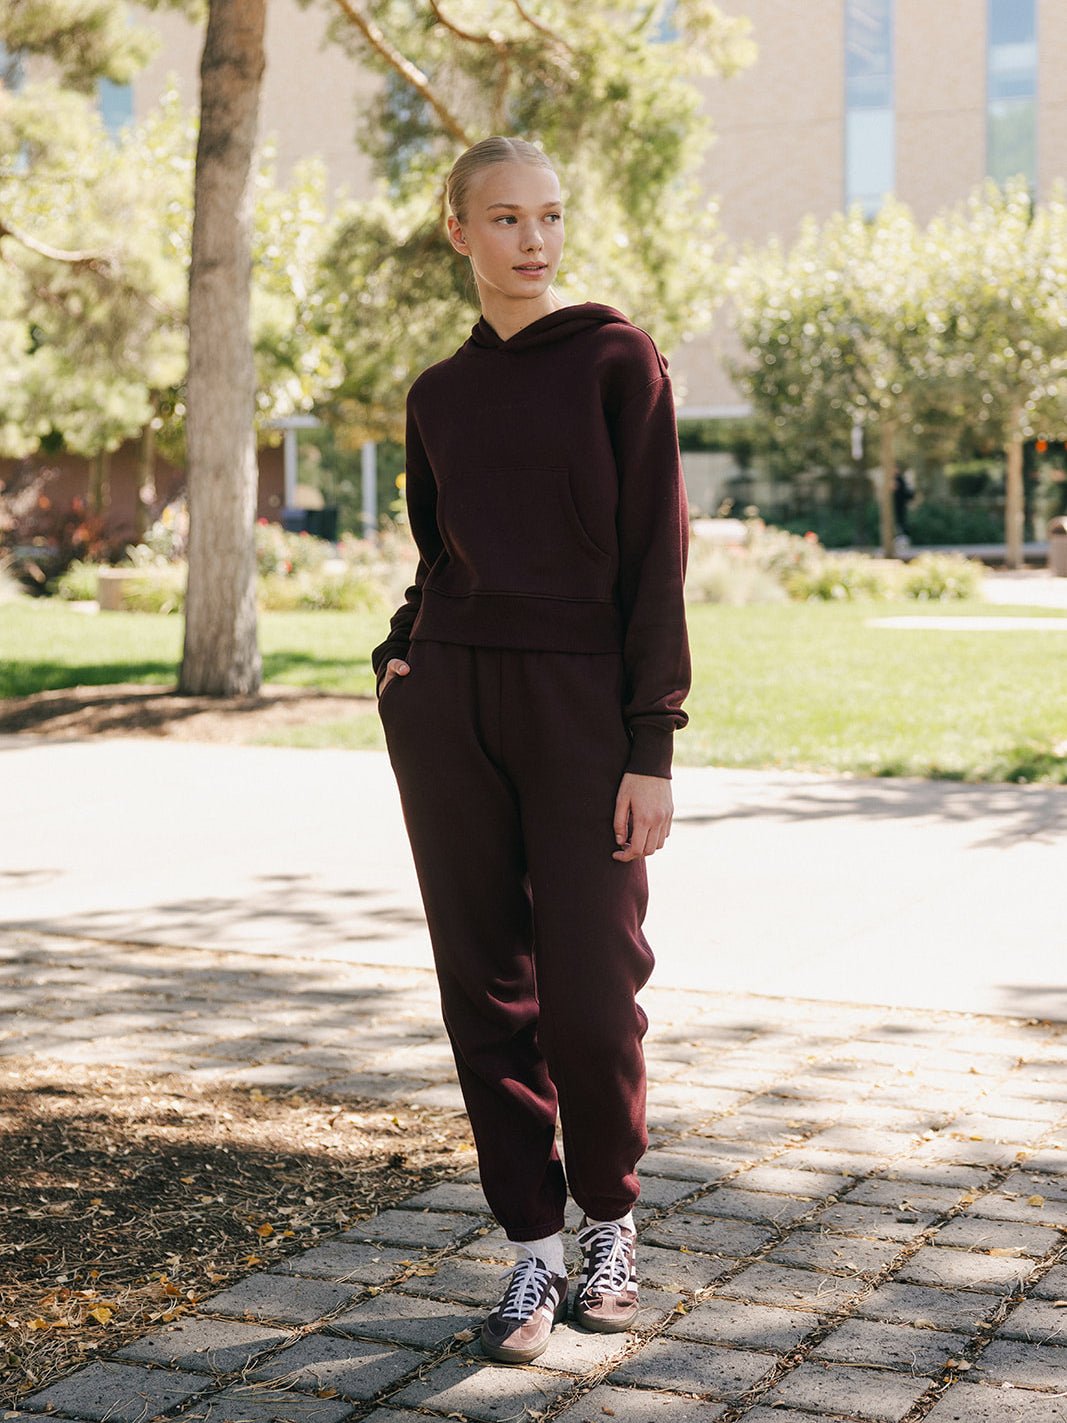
[612, 1272]
[529, 1279]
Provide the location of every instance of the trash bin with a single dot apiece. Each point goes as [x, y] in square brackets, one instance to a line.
[1057, 547]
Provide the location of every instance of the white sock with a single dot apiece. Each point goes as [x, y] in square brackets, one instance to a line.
[549, 1249]
[626, 1221]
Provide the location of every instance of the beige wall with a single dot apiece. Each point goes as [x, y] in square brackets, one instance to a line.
[779, 152]
[940, 92]
[313, 92]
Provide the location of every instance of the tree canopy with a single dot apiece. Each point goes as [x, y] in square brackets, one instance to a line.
[900, 329]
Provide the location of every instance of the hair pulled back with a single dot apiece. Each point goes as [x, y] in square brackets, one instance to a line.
[497, 148]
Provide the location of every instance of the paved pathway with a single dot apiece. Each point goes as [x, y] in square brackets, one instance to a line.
[848, 1211]
[930, 894]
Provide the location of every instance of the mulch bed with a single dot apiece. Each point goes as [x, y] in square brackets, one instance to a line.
[129, 709]
[127, 1197]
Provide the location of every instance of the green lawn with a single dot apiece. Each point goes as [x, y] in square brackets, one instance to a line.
[805, 686]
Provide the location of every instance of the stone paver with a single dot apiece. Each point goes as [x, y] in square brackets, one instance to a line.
[1053, 1284]
[931, 1308]
[639, 1405]
[347, 1262]
[738, 1322]
[891, 1346]
[401, 1319]
[973, 1403]
[767, 1283]
[877, 1394]
[483, 1392]
[431, 1230]
[1038, 1321]
[353, 1368]
[216, 1346]
[127, 1393]
[964, 1269]
[289, 1300]
[837, 1254]
[1026, 1365]
[688, 1367]
[251, 1403]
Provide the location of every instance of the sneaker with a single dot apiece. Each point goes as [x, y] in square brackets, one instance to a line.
[606, 1298]
[518, 1328]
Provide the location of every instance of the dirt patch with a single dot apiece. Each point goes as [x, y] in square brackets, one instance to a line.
[132, 710]
[127, 1197]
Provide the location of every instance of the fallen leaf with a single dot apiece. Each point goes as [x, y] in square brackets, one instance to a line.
[1035, 1200]
[265, 1229]
[1003, 1252]
[101, 1314]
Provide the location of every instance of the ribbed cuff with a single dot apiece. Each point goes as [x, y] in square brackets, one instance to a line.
[651, 752]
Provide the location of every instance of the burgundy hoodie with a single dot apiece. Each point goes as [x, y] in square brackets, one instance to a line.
[545, 494]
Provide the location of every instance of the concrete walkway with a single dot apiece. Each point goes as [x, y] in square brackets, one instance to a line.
[926, 894]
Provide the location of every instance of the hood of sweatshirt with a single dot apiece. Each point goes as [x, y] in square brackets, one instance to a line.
[547, 330]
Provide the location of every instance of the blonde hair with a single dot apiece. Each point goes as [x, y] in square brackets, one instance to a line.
[497, 148]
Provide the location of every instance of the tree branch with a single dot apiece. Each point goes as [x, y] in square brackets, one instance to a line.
[87, 261]
[542, 28]
[380, 43]
[494, 38]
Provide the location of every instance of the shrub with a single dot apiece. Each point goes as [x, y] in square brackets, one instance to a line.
[78, 583]
[942, 577]
[727, 575]
[284, 553]
[844, 577]
[160, 589]
[937, 521]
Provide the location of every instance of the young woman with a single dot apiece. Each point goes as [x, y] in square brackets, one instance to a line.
[529, 689]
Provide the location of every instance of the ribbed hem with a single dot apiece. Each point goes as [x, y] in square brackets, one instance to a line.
[651, 752]
[516, 621]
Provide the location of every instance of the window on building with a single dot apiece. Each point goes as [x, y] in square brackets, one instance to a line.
[11, 74]
[1011, 91]
[870, 127]
[116, 105]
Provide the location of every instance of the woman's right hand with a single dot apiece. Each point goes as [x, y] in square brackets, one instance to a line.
[395, 667]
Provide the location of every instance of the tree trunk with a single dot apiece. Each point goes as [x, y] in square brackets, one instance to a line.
[221, 654]
[1013, 501]
[146, 480]
[887, 522]
[100, 483]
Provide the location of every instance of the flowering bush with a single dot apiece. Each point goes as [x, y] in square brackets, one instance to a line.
[284, 554]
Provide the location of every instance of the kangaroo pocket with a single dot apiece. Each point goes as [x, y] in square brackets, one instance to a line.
[516, 530]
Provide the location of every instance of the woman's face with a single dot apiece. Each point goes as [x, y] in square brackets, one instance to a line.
[514, 229]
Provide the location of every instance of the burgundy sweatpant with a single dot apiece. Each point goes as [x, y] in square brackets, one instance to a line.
[508, 763]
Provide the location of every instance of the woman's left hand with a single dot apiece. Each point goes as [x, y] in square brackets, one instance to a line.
[644, 808]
